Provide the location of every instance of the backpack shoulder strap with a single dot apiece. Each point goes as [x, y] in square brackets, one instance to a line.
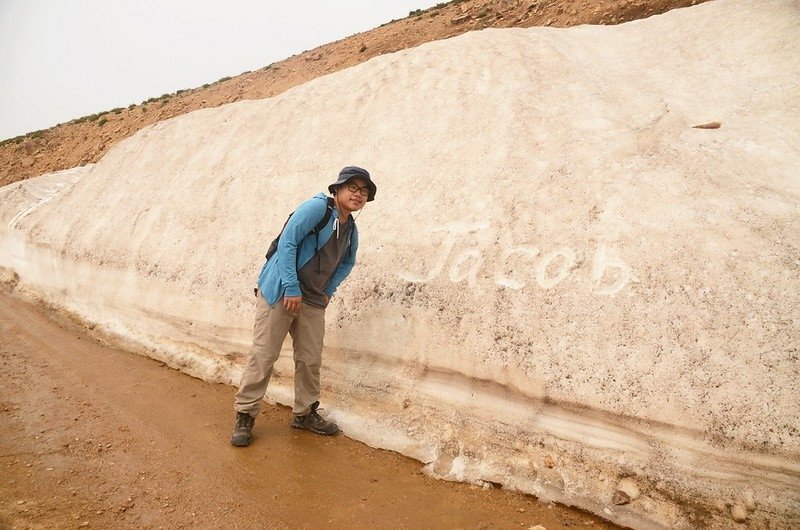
[273, 247]
[326, 217]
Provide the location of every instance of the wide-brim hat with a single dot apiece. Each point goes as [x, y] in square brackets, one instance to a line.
[355, 172]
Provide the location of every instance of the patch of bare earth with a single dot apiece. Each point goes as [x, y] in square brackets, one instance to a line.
[85, 140]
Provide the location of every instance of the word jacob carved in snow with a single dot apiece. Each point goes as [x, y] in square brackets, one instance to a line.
[514, 266]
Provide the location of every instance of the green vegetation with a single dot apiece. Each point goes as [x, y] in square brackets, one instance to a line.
[102, 122]
[440, 5]
[16, 140]
[19, 139]
[223, 79]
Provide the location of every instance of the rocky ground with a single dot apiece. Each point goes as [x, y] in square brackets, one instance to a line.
[84, 140]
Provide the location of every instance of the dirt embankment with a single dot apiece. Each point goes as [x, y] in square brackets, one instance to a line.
[85, 140]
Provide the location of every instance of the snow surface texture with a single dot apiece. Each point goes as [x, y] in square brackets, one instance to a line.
[563, 287]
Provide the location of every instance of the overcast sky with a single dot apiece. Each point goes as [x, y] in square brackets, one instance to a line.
[61, 59]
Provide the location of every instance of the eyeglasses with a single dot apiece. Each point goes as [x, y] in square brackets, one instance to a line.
[354, 188]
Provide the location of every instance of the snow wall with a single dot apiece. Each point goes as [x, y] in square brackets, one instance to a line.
[562, 286]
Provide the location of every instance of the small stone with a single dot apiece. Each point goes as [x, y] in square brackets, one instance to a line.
[20, 502]
[628, 485]
[739, 513]
[549, 462]
[709, 125]
[749, 500]
[84, 524]
[537, 527]
[620, 498]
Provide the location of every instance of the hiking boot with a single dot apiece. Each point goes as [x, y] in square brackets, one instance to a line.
[243, 430]
[314, 422]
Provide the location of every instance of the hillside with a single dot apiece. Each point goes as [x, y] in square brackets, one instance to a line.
[85, 140]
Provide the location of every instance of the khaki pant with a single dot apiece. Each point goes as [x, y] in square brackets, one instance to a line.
[307, 329]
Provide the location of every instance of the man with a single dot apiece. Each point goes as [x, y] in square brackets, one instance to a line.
[294, 287]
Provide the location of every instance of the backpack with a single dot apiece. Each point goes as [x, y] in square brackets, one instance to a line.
[273, 247]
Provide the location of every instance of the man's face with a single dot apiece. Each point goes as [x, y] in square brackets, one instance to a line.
[352, 195]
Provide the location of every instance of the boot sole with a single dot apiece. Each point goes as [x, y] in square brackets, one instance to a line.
[241, 443]
[323, 433]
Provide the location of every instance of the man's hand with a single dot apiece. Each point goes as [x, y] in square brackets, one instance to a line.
[292, 303]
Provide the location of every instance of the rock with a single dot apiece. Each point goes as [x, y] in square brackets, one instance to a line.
[620, 498]
[628, 486]
[749, 500]
[739, 513]
[549, 462]
[709, 125]
[459, 19]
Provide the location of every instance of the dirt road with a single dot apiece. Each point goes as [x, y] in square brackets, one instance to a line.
[92, 436]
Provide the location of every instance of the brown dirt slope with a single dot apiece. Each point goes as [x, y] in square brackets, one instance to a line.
[85, 140]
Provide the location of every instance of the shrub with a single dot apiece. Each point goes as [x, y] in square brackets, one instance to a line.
[102, 122]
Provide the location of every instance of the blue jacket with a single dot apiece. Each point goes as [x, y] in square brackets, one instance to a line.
[297, 246]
